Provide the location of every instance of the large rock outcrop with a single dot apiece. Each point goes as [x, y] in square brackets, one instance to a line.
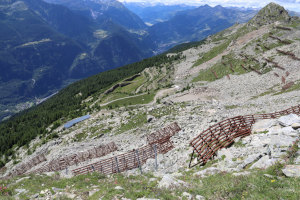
[270, 14]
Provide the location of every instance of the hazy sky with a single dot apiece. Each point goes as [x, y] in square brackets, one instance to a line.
[288, 4]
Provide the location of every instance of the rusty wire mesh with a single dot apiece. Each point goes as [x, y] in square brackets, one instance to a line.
[244, 68]
[288, 85]
[214, 73]
[62, 163]
[23, 168]
[283, 80]
[130, 160]
[283, 28]
[222, 134]
[275, 64]
[255, 70]
[290, 54]
[158, 141]
[163, 134]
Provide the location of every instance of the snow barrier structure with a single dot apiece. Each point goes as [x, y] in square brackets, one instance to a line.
[23, 168]
[74, 159]
[222, 134]
[163, 134]
[158, 142]
[62, 162]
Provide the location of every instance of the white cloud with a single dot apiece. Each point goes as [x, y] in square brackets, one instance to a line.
[288, 4]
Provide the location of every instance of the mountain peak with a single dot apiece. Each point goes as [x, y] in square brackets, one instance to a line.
[270, 14]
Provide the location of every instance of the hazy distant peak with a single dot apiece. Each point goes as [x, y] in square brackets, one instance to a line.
[109, 3]
[104, 3]
[18, 6]
[218, 6]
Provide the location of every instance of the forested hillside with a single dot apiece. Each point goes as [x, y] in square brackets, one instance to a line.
[45, 47]
[67, 104]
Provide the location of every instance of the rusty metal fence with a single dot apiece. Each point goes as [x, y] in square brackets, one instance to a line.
[62, 163]
[222, 134]
[163, 134]
[130, 160]
[23, 168]
[159, 143]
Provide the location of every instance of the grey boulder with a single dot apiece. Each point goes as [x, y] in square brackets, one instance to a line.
[288, 120]
[292, 171]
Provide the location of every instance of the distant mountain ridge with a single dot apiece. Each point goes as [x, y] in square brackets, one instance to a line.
[152, 14]
[73, 39]
[293, 13]
[101, 10]
[201, 22]
[46, 46]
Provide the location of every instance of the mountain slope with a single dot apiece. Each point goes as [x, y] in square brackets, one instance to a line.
[96, 38]
[153, 14]
[293, 13]
[34, 60]
[63, 20]
[206, 87]
[232, 53]
[66, 104]
[202, 22]
[115, 50]
[101, 10]
[44, 47]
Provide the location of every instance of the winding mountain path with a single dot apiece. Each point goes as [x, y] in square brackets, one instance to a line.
[107, 103]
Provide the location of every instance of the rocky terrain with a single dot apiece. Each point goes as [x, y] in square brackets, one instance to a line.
[268, 144]
[247, 69]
